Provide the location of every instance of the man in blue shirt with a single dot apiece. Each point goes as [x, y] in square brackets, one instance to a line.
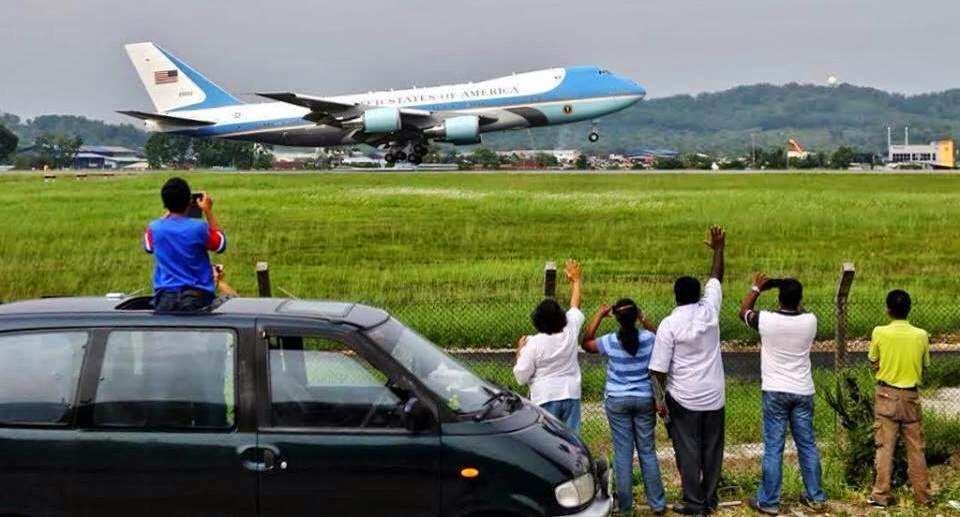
[183, 277]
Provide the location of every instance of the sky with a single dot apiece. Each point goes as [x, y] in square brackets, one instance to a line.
[66, 56]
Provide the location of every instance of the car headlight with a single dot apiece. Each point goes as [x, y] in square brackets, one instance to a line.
[576, 492]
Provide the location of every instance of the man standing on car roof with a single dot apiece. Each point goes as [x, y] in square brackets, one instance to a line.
[183, 277]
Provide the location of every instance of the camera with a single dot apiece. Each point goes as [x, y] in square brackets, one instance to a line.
[773, 283]
[194, 209]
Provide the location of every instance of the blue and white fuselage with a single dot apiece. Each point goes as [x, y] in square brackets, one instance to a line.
[187, 103]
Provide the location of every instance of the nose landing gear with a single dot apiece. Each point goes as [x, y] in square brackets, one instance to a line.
[594, 133]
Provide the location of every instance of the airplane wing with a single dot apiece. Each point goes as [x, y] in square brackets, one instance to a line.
[167, 119]
[325, 111]
[318, 105]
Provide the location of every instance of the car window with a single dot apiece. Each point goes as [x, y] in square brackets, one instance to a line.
[39, 372]
[317, 382]
[167, 379]
[460, 389]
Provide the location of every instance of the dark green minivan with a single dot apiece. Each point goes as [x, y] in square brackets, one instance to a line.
[266, 407]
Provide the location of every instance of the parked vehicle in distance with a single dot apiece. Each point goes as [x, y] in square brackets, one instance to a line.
[266, 407]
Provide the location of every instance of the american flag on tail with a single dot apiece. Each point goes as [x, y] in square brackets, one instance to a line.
[165, 76]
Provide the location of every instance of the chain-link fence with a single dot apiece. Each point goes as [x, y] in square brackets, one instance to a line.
[483, 336]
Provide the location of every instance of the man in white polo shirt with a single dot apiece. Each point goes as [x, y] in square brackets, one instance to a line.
[686, 354]
[786, 336]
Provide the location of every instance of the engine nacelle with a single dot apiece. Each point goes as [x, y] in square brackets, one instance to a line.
[463, 130]
[381, 120]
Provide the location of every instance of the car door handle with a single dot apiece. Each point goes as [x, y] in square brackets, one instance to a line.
[264, 458]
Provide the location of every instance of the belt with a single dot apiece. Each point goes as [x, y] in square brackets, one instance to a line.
[885, 385]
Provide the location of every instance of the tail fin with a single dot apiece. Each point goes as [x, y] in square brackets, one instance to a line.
[172, 84]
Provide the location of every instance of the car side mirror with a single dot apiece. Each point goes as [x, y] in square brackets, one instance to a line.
[416, 416]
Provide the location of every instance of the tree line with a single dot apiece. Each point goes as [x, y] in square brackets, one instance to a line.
[166, 150]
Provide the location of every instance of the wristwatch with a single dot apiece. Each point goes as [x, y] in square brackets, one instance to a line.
[755, 289]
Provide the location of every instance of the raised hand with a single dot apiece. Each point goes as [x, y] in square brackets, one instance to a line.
[716, 238]
[760, 280]
[572, 270]
[604, 310]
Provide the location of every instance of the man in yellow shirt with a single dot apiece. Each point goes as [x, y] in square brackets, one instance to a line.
[899, 353]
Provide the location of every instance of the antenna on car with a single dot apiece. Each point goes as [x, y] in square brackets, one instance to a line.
[288, 293]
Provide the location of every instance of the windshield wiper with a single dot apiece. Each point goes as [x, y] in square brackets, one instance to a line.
[504, 395]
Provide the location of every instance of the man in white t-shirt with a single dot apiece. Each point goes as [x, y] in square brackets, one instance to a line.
[786, 336]
[547, 361]
[686, 358]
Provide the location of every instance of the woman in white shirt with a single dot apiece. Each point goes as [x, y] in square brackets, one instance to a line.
[547, 360]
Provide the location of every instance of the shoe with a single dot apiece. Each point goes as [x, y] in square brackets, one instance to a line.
[766, 510]
[817, 507]
[683, 509]
[877, 503]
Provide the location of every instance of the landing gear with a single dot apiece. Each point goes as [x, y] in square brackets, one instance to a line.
[594, 133]
[412, 152]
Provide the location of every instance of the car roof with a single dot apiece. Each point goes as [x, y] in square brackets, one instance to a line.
[363, 316]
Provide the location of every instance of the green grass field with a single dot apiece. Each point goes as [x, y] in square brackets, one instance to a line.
[461, 256]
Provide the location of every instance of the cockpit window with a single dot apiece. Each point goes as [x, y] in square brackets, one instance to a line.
[604, 71]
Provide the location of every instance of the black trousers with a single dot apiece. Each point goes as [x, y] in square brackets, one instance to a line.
[698, 444]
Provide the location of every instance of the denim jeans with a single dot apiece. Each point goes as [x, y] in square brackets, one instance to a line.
[779, 409]
[187, 300]
[567, 411]
[632, 423]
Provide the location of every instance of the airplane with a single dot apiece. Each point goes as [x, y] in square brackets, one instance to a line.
[400, 122]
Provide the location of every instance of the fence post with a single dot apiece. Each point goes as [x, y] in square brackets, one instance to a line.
[847, 273]
[263, 279]
[550, 280]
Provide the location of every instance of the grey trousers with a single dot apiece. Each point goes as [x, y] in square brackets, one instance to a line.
[698, 445]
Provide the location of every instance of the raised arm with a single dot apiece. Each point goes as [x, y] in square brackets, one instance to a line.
[647, 324]
[589, 341]
[574, 274]
[217, 240]
[747, 314]
[717, 242]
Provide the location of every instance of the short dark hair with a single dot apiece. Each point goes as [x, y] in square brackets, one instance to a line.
[791, 293]
[549, 317]
[686, 290]
[176, 195]
[898, 303]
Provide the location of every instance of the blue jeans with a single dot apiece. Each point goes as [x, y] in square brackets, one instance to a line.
[797, 410]
[632, 423]
[567, 411]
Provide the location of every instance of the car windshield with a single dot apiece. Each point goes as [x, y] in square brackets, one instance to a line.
[458, 387]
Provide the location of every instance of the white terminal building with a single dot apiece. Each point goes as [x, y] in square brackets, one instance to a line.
[939, 154]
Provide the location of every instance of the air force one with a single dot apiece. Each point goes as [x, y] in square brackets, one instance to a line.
[402, 122]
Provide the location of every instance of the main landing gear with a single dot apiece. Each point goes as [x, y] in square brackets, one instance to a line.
[412, 153]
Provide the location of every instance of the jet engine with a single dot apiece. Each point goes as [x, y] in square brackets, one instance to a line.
[463, 130]
[381, 120]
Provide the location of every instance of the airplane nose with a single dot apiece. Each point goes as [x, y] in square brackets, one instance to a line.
[638, 90]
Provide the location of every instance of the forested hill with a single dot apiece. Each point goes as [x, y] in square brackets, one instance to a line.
[819, 117]
[91, 131]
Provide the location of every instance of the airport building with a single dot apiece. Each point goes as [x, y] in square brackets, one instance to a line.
[563, 156]
[108, 157]
[939, 154]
